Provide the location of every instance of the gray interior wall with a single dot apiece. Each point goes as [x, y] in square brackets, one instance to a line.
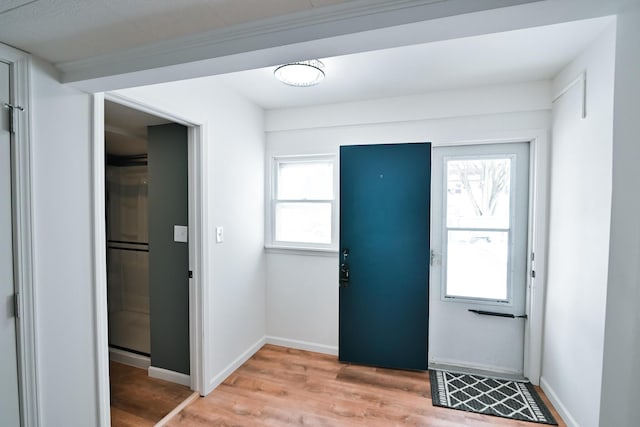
[168, 260]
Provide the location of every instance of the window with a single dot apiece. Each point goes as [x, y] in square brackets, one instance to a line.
[302, 202]
[478, 226]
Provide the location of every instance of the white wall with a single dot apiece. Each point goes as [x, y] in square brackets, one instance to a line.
[63, 278]
[620, 385]
[516, 97]
[302, 291]
[302, 301]
[235, 317]
[579, 217]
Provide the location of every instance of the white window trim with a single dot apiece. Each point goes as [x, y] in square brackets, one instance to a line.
[508, 302]
[273, 245]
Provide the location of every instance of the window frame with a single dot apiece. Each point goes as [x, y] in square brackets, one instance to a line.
[445, 231]
[273, 201]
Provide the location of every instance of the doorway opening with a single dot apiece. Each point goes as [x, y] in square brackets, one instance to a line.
[147, 250]
[147, 267]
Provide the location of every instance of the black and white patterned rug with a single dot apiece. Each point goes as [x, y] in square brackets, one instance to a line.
[502, 398]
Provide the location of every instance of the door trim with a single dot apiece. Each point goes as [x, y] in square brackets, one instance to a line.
[197, 229]
[536, 236]
[20, 63]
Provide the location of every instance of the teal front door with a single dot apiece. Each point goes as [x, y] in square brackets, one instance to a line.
[384, 255]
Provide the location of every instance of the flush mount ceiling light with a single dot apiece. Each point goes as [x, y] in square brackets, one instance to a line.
[301, 74]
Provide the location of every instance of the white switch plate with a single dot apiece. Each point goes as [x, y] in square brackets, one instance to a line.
[219, 235]
[180, 233]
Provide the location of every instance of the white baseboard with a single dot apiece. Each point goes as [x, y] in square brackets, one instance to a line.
[219, 379]
[557, 403]
[171, 376]
[284, 342]
[302, 345]
[128, 358]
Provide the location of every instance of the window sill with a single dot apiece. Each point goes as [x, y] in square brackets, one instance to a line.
[296, 250]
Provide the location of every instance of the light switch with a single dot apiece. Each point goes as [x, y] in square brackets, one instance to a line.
[219, 235]
[180, 233]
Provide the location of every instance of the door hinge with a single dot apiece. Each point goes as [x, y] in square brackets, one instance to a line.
[533, 262]
[190, 274]
[16, 305]
[12, 117]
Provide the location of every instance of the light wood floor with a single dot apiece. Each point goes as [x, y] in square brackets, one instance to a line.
[285, 387]
[139, 400]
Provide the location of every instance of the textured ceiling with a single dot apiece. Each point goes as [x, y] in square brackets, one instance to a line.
[10, 5]
[530, 54]
[64, 30]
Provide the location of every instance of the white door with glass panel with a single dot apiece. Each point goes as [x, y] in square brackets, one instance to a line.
[479, 231]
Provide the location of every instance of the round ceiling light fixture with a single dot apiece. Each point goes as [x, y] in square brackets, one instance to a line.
[301, 74]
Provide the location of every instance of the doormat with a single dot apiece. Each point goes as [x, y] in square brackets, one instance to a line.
[489, 396]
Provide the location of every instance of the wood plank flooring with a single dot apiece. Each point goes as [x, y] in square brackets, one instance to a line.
[138, 400]
[285, 387]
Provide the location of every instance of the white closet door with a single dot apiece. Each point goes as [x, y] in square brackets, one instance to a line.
[9, 403]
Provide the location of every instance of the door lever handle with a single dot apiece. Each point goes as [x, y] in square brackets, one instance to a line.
[493, 313]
